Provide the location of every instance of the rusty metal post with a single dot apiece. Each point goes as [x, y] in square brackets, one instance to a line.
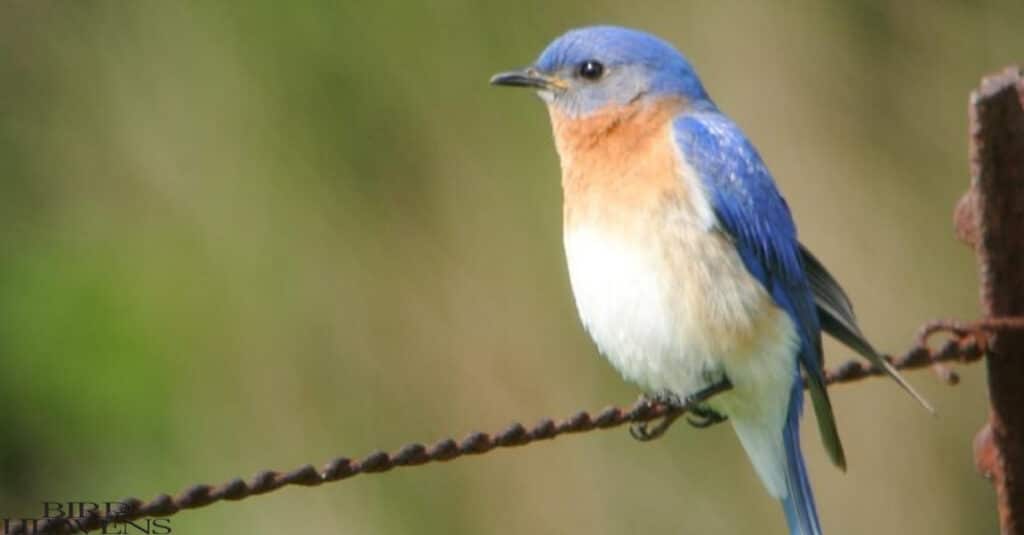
[991, 218]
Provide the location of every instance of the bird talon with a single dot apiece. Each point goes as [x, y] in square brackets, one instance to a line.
[641, 432]
[705, 417]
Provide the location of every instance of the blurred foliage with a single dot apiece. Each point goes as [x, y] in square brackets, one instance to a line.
[258, 234]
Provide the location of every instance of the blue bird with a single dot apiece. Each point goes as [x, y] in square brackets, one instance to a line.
[683, 257]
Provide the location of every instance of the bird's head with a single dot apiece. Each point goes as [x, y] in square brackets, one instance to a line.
[589, 69]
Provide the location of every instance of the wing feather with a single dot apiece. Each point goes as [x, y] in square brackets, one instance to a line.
[749, 208]
[836, 316]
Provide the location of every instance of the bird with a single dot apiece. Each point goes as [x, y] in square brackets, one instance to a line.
[683, 257]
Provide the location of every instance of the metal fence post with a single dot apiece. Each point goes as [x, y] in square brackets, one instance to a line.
[991, 218]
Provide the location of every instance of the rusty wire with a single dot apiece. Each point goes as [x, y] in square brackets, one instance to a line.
[967, 342]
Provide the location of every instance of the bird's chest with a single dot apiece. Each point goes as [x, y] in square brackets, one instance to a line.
[662, 292]
[642, 302]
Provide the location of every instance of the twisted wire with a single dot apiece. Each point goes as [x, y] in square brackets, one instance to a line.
[967, 342]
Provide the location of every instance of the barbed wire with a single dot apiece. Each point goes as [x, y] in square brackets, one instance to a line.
[967, 342]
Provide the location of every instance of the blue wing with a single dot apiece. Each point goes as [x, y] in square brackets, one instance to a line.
[750, 210]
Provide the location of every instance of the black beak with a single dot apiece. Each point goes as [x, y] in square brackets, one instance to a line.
[522, 78]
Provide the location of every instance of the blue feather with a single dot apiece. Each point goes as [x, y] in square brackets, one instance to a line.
[751, 211]
[801, 514]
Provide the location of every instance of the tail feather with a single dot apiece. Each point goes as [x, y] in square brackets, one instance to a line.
[801, 513]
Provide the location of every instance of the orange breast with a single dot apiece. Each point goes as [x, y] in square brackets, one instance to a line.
[618, 163]
[645, 258]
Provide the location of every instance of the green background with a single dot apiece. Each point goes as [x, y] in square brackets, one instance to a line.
[260, 234]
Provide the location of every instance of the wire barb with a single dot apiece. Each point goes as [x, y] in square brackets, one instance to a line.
[967, 342]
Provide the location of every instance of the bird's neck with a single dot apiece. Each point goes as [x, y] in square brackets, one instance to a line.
[616, 156]
[612, 132]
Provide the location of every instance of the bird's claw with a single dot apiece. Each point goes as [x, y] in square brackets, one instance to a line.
[704, 417]
[642, 431]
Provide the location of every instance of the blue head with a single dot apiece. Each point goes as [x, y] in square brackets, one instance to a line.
[590, 68]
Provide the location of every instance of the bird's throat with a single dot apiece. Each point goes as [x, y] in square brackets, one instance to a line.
[616, 161]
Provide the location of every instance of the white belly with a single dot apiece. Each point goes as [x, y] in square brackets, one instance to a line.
[623, 299]
[677, 313]
[667, 308]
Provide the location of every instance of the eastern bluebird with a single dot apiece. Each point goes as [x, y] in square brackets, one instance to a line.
[683, 257]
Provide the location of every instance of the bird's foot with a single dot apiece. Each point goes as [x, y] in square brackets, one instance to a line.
[704, 417]
[642, 432]
[694, 404]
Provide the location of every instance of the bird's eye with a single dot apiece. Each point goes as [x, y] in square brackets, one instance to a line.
[591, 69]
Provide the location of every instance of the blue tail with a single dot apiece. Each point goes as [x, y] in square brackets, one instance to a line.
[801, 514]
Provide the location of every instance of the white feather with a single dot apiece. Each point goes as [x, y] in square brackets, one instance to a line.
[670, 305]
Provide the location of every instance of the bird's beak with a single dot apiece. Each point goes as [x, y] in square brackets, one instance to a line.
[528, 77]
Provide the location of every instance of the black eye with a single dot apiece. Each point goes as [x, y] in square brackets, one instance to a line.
[591, 69]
